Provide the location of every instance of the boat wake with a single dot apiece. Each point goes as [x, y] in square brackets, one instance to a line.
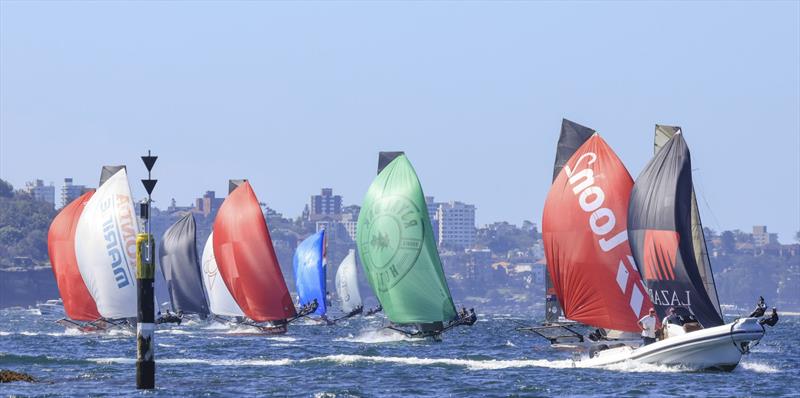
[758, 367]
[379, 336]
[344, 359]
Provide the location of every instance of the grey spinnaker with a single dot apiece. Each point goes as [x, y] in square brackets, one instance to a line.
[660, 233]
[109, 171]
[662, 135]
[573, 135]
[181, 268]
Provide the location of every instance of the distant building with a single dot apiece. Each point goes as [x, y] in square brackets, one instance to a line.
[39, 191]
[324, 205]
[433, 209]
[456, 224]
[763, 238]
[208, 204]
[70, 191]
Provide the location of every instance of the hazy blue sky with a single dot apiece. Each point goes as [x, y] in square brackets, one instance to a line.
[296, 96]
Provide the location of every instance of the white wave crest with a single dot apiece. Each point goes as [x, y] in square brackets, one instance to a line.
[470, 364]
[758, 367]
[376, 337]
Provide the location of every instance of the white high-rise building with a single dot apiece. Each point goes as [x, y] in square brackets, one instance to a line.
[70, 191]
[45, 193]
[456, 224]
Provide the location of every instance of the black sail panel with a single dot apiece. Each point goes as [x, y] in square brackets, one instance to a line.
[660, 233]
[662, 135]
[181, 268]
[572, 136]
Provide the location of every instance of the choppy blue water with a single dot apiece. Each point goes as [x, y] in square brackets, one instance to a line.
[354, 359]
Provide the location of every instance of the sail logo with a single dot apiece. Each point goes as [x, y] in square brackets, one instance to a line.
[602, 221]
[120, 237]
[392, 239]
[660, 254]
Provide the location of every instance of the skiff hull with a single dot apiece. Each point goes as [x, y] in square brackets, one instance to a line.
[717, 348]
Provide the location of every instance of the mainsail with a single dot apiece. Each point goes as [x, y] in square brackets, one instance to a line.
[246, 258]
[660, 231]
[105, 247]
[572, 136]
[78, 303]
[662, 135]
[347, 283]
[181, 269]
[220, 300]
[395, 241]
[585, 240]
[310, 271]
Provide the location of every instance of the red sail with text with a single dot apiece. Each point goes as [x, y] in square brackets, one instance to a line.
[246, 259]
[584, 228]
[78, 303]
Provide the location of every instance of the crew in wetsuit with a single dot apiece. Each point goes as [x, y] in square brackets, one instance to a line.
[375, 310]
[761, 308]
[772, 320]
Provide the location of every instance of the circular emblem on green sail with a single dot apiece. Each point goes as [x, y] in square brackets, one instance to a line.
[392, 239]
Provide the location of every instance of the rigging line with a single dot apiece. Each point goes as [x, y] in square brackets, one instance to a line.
[700, 191]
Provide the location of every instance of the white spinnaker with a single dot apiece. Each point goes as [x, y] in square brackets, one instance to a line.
[105, 247]
[219, 297]
[347, 283]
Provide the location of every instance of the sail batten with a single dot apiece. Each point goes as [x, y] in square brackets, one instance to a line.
[660, 225]
[398, 253]
[78, 302]
[310, 272]
[585, 239]
[246, 259]
[180, 267]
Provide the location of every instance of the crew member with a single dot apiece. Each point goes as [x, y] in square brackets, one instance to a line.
[772, 320]
[648, 325]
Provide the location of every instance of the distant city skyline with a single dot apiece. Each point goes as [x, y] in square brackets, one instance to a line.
[296, 96]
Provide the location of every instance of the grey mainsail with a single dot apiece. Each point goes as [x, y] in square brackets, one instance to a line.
[181, 268]
[662, 135]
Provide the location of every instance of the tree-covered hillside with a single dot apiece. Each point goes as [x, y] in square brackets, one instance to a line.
[23, 227]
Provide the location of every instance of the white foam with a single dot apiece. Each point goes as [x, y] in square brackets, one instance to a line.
[510, 344]
[5, 333]
[635, 367]
[376, 337]
[470, 364]
[173, 331]
[192, 361]
[758, 367]
[285, 339]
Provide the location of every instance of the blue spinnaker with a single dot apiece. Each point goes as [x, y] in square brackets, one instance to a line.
[309, 271]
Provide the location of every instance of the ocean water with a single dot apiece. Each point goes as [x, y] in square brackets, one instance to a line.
[358, 358]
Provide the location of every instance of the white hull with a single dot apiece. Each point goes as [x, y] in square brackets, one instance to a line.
[718, 348]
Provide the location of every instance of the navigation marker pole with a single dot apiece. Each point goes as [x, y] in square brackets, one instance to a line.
[145, 274]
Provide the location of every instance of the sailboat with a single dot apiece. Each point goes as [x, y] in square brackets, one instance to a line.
[181, 269]
[247, 263]
[395, 241]
[661, 220]
[585, 238]
[220, 301]
[347, 287]
[105, 250]
[79, 306]
[310, 270]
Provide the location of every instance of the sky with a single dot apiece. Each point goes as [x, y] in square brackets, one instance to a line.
[302, 95]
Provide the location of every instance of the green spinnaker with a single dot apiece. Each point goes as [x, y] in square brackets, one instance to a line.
[398, 253]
